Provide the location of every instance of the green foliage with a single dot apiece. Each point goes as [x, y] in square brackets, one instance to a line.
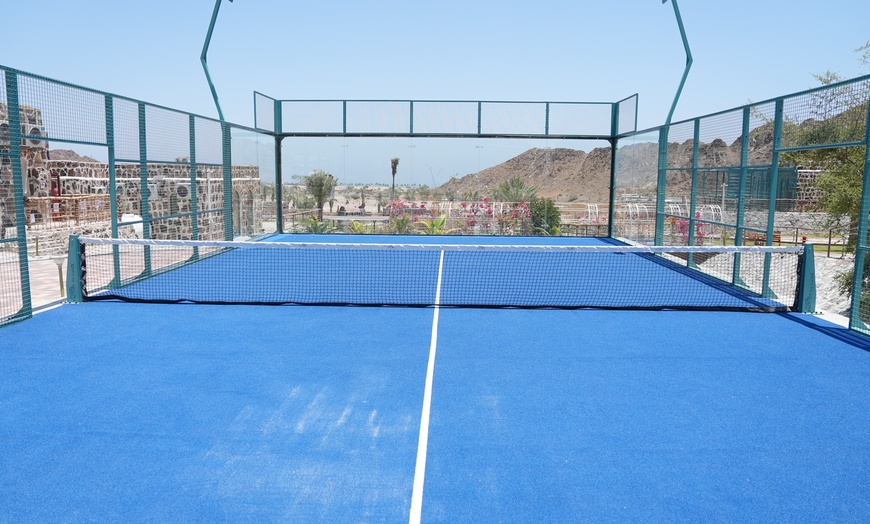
[303, 202]
[411, 193]
[400, 224]
[837, 117]
[470, 196]
[320, 186]
[865, 57]
[356, 227]
[433, 226]
[515, 190]
[312, 225]
[545, 215]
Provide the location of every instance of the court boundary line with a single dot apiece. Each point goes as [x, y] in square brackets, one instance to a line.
[423, 440]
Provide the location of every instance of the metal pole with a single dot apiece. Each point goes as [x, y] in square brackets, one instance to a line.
[688, 60]
[202, 58]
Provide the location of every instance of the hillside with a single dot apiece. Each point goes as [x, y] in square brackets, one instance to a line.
[69, 156]
[568, 174]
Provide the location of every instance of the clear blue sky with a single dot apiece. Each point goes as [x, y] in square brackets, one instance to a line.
[473, 50]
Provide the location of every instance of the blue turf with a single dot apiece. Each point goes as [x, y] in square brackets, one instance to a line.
[555, 416]
[154, 413]
[150, 413]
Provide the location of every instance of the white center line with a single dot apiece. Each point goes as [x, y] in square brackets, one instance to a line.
[420, 469]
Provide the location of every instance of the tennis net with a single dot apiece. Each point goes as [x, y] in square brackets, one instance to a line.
[750, 278]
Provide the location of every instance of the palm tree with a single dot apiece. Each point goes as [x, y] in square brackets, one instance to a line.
[400, 224]
[394, 165]
[312, 225]
[470, 196]
[320, 185]
[515, 190]
[381, 196]
[434, 226]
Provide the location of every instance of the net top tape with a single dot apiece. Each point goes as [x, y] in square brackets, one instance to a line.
[442, 247]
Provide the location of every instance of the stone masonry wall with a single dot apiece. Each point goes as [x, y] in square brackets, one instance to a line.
[168, 191]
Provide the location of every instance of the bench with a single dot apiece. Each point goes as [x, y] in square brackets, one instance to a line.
[760, 239]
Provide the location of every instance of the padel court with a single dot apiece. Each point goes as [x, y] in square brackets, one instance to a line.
[113, 411]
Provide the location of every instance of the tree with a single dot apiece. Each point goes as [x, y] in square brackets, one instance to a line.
[312, 225]
[394, 165]
[320, 185]
[865, 58]
[381, 197]
[400, 224]
[470, 196]
[545, 215]
[838, 116]
[515, 190]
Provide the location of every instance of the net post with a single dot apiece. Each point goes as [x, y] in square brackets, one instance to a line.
[74, 272]
[806, 301]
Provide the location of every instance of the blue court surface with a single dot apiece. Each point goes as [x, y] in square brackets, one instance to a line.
[127, 412]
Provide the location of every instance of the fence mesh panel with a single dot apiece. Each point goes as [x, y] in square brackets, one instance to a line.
[570, 119]
[312, 117]
[628, 115]
[167, 135]
[498, 118]
[445, 117]
[719, 139]
[830, 116]
[264, 112]
[126, 126]
[53, 110]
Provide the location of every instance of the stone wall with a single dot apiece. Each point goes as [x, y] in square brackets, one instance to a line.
[808, 194]
[169, 191]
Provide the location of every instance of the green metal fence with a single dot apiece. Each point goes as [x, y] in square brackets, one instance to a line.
[445, 118]
[733, 177]
[140, 170]
[725, 178]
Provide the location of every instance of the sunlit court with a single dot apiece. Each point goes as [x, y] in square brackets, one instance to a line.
[431, 310]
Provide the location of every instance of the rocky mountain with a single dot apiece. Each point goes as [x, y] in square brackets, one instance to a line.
[69, 155]
[569, 174]
[555, 172]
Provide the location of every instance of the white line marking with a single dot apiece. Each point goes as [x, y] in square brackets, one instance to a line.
[420, 470]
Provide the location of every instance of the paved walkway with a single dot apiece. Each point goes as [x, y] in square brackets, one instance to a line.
[45, 283]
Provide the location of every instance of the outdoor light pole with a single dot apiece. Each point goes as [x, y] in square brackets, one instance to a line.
[688, 60]
[202, 58]
[663, 135]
